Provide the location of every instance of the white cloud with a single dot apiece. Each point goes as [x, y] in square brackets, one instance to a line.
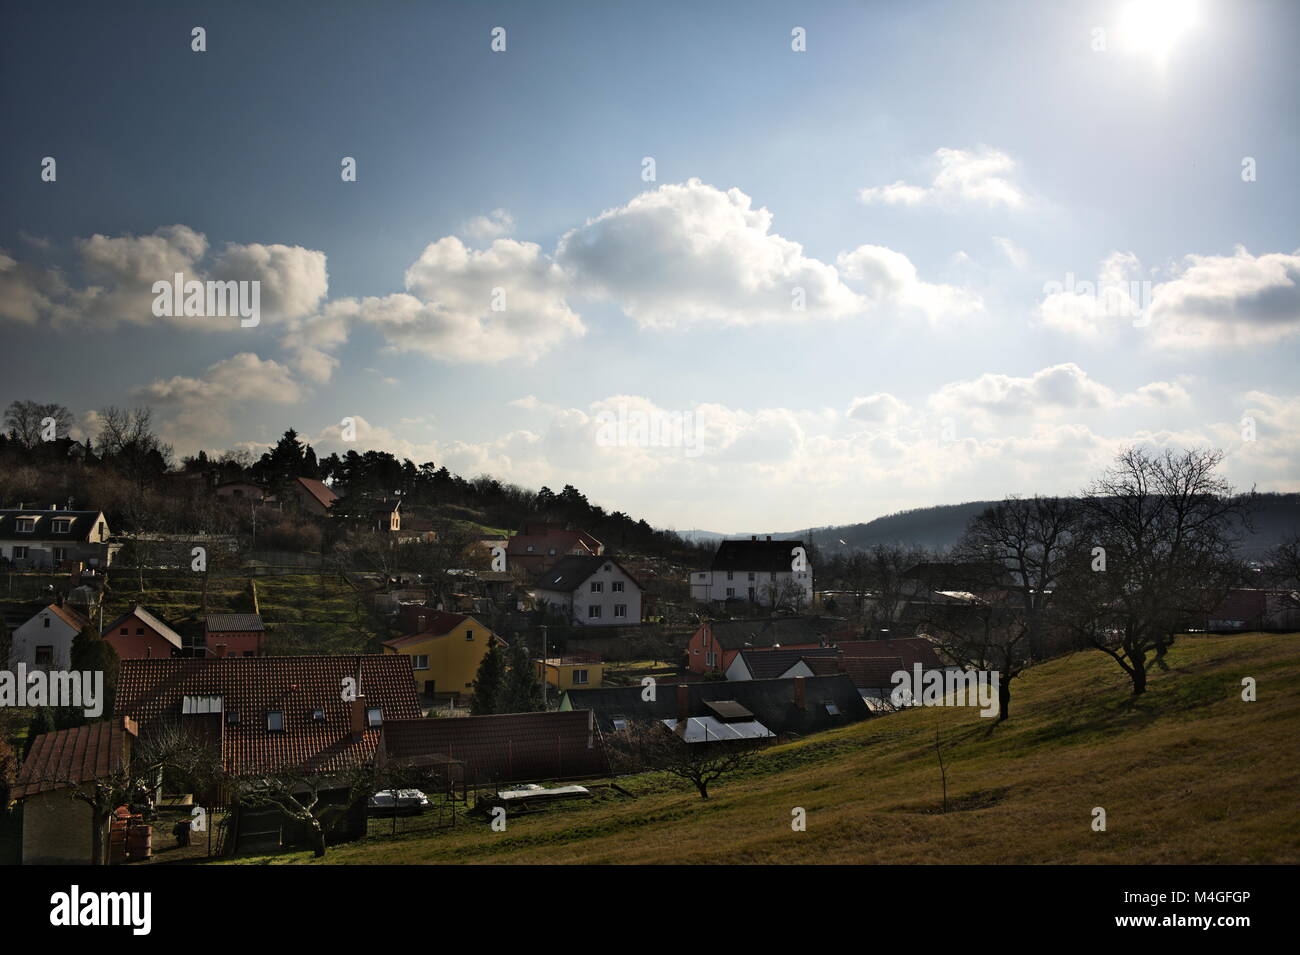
[203, 409]
[1224, 301]
[961, 176]
[1016, 255]
[495, 224]
[889, 278]
[880, 410]
[690, 252]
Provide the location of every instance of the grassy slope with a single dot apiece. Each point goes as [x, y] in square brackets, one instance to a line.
[1187, 774]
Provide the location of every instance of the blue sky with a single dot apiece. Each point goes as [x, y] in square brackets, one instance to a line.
[934, 361]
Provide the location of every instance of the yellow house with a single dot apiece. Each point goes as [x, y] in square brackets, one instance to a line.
[445, 654]
[582, 670]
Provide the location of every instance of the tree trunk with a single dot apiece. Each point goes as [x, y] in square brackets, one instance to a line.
[1139, 677]
[318, 836]
[703, 788]
[1004, 701]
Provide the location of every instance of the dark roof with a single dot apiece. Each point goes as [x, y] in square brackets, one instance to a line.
[771, 701]
[909, 649]
[570, 573]
[319, 490]
[232, 622]
[69, 616]
[543, 537]
[768, 631]
[153, 690]
[514, 747]
[959, 575]
[766, 664]
[71, 757]
[872, 672]
[764, 555]
[83, 522]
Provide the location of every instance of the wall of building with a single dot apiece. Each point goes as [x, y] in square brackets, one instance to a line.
[34, 633]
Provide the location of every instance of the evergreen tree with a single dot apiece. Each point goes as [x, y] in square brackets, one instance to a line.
[522, 692]
[91, 652]
[489, 682]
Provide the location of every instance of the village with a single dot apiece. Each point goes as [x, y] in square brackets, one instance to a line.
[425, 671]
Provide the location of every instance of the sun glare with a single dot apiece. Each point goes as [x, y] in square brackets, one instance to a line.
[1154, 27]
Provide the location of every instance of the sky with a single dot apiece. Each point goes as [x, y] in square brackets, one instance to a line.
[728, 266]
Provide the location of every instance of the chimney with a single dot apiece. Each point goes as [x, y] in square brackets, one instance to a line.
[800, 692]
[358, 718]
[683, 703]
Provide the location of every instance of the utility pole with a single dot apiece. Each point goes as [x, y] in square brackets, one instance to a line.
[544, 670]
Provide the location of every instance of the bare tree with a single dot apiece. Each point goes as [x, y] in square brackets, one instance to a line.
[26, 421]
[297, 793]
[1153, 552]
[650, 746]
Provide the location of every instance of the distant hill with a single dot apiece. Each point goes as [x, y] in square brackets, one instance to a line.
[939, 528]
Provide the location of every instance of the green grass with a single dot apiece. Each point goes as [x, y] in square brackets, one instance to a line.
[1187, 773]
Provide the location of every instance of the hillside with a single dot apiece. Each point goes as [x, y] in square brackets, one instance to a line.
[1187, 774]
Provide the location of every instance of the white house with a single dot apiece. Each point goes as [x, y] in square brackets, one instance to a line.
[45, 641]
[764, 572]
[45, 537]
[591, 591]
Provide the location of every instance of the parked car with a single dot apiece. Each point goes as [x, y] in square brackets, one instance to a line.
[397, 801]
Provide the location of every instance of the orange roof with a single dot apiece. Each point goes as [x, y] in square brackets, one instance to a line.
[319, 490]
[69, 616]
[70, 757]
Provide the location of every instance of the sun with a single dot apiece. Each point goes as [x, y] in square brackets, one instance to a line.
[1154, 27]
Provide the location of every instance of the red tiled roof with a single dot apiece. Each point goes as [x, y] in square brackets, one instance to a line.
[437, 623]
[153, 690]
[872, 672]
[71, 757]
[564, 542]
[910, 649]
[68, 616]
[319, 490]
[513, 747]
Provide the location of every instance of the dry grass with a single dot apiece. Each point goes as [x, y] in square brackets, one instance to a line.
[1189, 773]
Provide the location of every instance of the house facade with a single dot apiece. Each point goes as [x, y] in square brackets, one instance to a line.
[590, 591]
[713, 646]
[445, 650]
[48, 538]
[45, 641]
[539, 546]
[579, 668]
[769, 573]
[140, 635]
[234, 634]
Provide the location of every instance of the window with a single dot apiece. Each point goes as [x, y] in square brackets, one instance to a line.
[832, 709]
[375, 716]
[275, 721]
[62, 525]
[597, 586]
[469, 635]
[551, 552]
[593, 612]
[60, 553]
[579, 676]
[47, 621]
[125, 631]
[731, 591]
[729, 575]
[420, 661]
[710, 658]
[139, 631]
[318, 715]
[20, 553]
[619, 723]
[751, 575]
[530, 548]
[773, 575]
[102, 532]
[232, 718]
[620, 610]
[616, 586]
[44, 656]
[26, 525]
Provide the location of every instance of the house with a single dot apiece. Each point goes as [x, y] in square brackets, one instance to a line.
[773, 664]
[1255, 609]
[714, 644]
[58, 828]
[138, 634]
[771, 573]
[575, 668]
[503, 748]
[234, 634]
[590, 591]
[445, 650]
[36, 538]
[242, 491]
[386, 516]
[539, 546]
[45, 641]
[312, 496]
[797, 705]
[272, 715]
